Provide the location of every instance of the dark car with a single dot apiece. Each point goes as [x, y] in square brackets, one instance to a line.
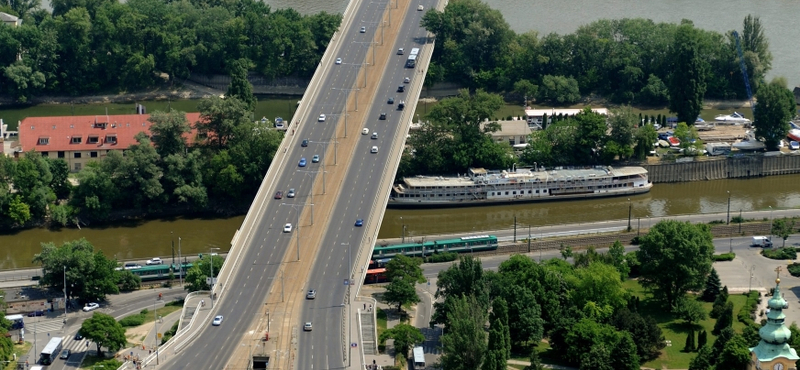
[401, 88]
[65, 354]
[359, 222]
[390, 101]
[304, 143]
[78, 335]
[36, 313]
[278, 194]
[383, 116]
[663, 136]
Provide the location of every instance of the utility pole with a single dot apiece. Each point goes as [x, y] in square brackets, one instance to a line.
[180, 263]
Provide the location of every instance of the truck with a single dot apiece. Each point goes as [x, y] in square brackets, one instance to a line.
[761, 241]
[718, 148]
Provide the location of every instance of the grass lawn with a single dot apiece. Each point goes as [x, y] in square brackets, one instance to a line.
[675, 330]
[380, 315]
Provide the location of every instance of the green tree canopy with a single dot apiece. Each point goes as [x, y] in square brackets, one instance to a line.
[104, 331]
[776, 106]
[89, 274]
[713, 286]
[687, 82]
[168, 129]
[464, 343]
[200, 271]
[675, 258]
[240, 87]
[463, 279]
[405, 336]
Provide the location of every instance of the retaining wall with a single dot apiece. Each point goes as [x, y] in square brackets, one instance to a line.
[724, 168]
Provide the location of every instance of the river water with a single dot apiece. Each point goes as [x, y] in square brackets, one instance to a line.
[154, 238]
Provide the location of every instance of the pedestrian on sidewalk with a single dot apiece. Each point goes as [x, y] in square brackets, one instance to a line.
[365, 306]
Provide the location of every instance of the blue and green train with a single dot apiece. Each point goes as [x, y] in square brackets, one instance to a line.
[466, 244]
[159, 272]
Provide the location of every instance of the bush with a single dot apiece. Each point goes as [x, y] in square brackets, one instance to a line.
[170, 333]
[794, 269]
[787, 253]
[723, 257]
[745, 313]
[635, 240]
[134, 320]
[441, 257]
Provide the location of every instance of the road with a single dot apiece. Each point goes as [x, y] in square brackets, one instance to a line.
[321, 348]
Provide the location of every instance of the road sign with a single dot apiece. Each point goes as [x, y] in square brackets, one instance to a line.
[354, 345]
[346, 281]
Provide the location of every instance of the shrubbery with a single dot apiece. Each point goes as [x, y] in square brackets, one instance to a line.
[134, 320]
[745, 313]
[723, 257]
[786, 253]
[441, 257]
[794, 269]
[170, 333]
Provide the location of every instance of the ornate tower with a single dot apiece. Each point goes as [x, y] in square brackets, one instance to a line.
[773, 351]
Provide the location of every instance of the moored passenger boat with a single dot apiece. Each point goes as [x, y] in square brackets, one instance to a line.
[482, 187]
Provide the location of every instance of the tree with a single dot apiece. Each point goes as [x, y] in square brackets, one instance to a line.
[499, 349]
[782, 229]
[566, 251]
[624, 355]
[675, 258]
[527, 89]
[623, 124]
[168, 129]
[585, 335]
[703, 360]
[127, 281]
[689, 346]
[687, 84]
[719, 344]
[776, 107]
[219, 118]
[240, 87]
[690, 139]
[405, 336]
[559, 89]
[755, 45]
[104, 331]
[735, 354]
[527, 324]
[143, 175]
[597, 358]
[466, 278]
[536, 363]
[403, 273]
[401, 292]
[690, 310]
[719, 303]
[197, 274]
[599, 283]
[649, 337]
[646, 136]
[702, 339]
[464, 343]
[713, 286]
[89, 274]
[725, 319]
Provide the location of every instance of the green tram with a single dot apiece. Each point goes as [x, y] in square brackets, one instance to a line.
[158, 272]
[467, 244]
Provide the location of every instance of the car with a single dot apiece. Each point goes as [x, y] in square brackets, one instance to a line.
[307, 326]
[132, 265]
[359, 222]
[304, 143]
[217, 320]
[663, 136]
[287, 228]
[400, 51]
[65, 354]
[91, 307]
[338, 60]
[154, 261]
[78, 335]
[401, 105]
[302, 162]
[315, 158]
[364, 131]
[374, 135]
[406, 80]
[321, 117]
[278, 194]
[363, 29]
[311, 294]
[36, 313]
[401, 88]
[374, 149]
[420, 7]
[291, 193]
[793, 145]
[383, 116]
[390, 101]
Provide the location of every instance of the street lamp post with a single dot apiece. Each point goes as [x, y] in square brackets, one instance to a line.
[404, 229]
[630, 212]
[770, 223]
[65, 294]
[728, 222]
[155, 323]
[211, 265]
[180, 262]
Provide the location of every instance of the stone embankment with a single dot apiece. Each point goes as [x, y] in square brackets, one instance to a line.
[738, 166]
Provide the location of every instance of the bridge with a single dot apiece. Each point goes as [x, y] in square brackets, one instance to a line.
[261, 290]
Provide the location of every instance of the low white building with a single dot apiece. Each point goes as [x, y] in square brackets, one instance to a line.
[10, 20]
[514, 132]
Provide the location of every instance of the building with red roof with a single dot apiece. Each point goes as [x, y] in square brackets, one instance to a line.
[80, 139]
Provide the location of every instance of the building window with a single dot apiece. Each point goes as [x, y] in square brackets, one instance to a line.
[111, 139]
[76, 140]
[77, 166]
[92, 140]
[93, 154]
[44, 140]
[61, 154]
[76, 155]
[45, 154]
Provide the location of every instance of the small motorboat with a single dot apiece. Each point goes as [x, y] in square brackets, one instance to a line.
[673, 141]
[749, 143]
[735, 118]
[794, 134]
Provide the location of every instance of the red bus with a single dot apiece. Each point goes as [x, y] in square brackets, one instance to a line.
[375, 276]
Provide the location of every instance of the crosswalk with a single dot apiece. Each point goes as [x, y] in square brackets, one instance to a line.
[43, 325]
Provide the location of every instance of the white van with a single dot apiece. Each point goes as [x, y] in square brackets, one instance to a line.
[762, 241]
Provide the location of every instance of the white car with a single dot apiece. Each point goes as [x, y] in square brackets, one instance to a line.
[338, 60]
[307, 326]
[217, 320]
[374, 135]
[363, 29]
[420, 7]
[406, 80]
[91, 307]
[321, 118]
[287, 228]
[374, 149]
[154, 261]
[365, 131]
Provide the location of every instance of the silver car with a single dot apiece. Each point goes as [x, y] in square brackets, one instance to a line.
[311, 294]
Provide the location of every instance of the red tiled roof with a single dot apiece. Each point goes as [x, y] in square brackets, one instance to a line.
[49, 134]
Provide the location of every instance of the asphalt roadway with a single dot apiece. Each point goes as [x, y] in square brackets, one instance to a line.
[261, 259]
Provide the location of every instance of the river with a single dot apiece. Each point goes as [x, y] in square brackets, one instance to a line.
[154, 238]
